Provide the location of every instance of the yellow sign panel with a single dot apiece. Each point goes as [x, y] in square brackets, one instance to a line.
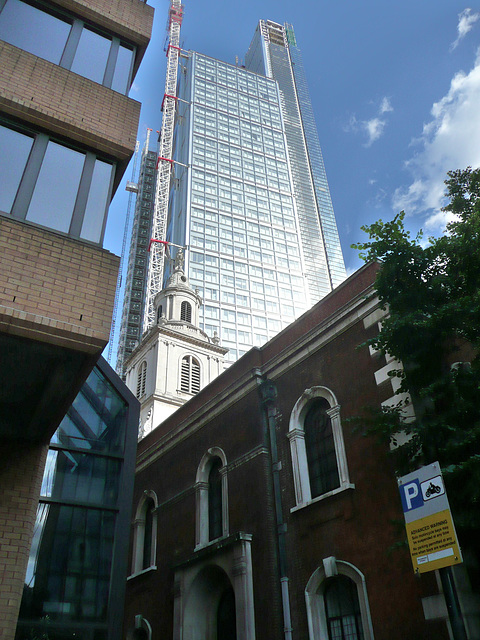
[433, 542]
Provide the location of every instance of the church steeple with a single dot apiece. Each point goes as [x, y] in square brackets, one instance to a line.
[175, 358]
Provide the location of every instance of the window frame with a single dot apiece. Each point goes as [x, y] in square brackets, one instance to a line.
[26, 187]
[296, 436]
[77, 25]
[202, 528]
[315, 603]
[138, 547]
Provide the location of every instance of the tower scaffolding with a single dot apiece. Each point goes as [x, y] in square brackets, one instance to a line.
[136, 276]
[164, 164]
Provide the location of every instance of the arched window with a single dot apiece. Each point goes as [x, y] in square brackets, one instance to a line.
[159, 312]
[148, 536]
[337, 603]
[190, 375]
[215, 500]
[145, 533]
[317, 448]
[141, 379]
[186, 311]
[342, 609]
[211, 492]
[320, 446]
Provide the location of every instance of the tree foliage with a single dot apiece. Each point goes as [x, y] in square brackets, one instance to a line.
[431, 290]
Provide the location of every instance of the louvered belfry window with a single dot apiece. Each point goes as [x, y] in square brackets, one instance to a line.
[141, 379]
[190, 375]
[186, 311]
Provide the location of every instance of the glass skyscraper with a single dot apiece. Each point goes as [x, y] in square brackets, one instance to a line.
[249, 195]
[274, 53]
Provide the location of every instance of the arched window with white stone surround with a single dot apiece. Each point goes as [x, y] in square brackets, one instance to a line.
[211, 492]
[145, 533]
[317, 447]
[337, 603]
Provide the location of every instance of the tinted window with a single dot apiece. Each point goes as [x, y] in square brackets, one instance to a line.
[14, 150]
[70, 563]
[91, 56]
[96, 420]
[121, 75]
[33, 30]
[97, 202]
[56, 188]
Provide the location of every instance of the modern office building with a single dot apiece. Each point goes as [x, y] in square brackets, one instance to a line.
[67, 132]
[249, 194]
[274, 53]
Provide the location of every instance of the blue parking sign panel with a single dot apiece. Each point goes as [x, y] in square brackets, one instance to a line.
[411, 495]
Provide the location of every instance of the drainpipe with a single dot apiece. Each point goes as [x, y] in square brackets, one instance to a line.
[268, 395]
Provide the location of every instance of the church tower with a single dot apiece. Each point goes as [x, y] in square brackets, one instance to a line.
[175, 358]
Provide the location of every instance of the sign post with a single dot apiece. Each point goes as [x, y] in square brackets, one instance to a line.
[431, 534]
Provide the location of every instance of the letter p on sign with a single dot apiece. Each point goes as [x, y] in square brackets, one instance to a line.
[411, 496]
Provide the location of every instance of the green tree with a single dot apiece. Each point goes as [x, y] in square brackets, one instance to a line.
[431, 290]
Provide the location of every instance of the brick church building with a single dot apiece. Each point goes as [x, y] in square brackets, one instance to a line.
[260, 512]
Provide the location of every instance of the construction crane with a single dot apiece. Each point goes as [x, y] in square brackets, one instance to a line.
[164, 164]
[129, 187]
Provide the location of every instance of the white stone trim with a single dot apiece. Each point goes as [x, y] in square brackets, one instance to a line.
[202, 535]
[196, 601]
[139, 534]
[296, 435]
[317, 621]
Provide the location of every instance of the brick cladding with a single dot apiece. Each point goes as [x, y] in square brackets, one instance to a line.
[64, 103]
[355, 526]
[21, 472]
[66, 297]
[173, 479]
[130, 19]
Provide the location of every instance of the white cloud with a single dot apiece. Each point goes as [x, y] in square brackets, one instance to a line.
[386, 105]
[466, 20]
[451, 140]
[374, 127]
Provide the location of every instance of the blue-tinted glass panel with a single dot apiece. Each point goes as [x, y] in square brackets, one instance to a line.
[96, 420]
[69, 567]
[97, 202]
[33, 30]
[14, 150]
[91, 56]
[75, 476]
[56, 188]
[121, 75]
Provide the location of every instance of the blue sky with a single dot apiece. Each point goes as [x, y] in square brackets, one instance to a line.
[395, 88]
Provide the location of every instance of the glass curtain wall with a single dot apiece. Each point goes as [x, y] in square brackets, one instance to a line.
[77, 568]
[273, 52]
[235, 208]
